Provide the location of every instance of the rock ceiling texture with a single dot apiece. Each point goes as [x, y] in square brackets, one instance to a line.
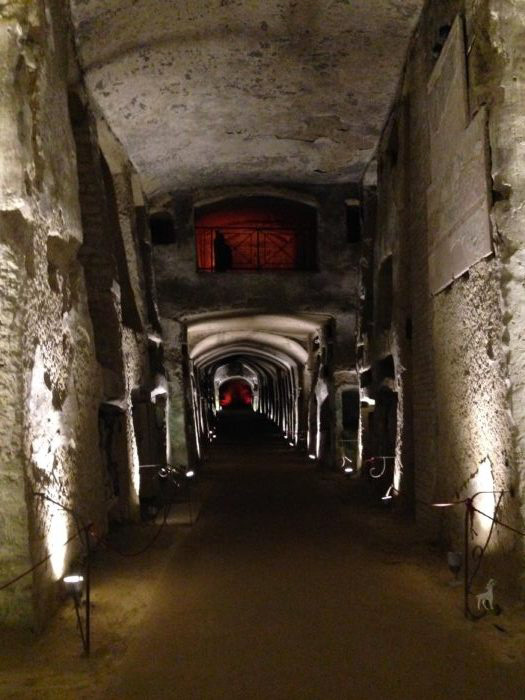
[212, 92]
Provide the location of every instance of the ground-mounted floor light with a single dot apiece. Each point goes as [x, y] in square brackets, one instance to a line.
[389, 495]
[74, 585]
[347, 465]
[190, 475]
[181, 478]
[311, 456]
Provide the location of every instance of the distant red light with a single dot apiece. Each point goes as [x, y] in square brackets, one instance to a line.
[235, 392]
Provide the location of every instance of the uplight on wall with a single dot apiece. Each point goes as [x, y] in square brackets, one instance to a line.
[155, 338]
[55, 540]
[160, 387]
[347, 465]
[484, 487]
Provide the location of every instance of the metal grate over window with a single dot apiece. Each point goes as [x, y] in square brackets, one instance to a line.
[256, 234]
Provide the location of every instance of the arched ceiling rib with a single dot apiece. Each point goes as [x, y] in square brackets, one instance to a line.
[253, 339]
[246, 350]
[224, 372]
[214, 92]
[299, 327]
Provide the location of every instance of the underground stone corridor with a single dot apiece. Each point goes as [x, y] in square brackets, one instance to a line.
[261, 348]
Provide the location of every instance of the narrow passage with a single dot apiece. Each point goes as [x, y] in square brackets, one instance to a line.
[279, 591]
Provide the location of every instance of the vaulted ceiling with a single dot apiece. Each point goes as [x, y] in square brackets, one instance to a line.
[212, 92]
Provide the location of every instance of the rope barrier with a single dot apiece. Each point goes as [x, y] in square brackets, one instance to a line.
[88, 529]
[39, 563]
[478, 551]
[148, 545]
[500, 522]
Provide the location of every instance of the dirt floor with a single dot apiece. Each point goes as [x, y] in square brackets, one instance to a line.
[291, 584]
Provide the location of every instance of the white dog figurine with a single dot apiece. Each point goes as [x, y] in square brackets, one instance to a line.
[486, 599]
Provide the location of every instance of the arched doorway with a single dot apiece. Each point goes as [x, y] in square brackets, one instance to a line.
[235, 393]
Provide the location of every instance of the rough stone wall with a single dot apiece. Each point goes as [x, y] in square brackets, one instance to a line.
[425, 427]
[392, 247]
[99, 250]
[462, 425]
[65, 347]
[497, 66]
[128, 228]
[112, 265]
[50, 380]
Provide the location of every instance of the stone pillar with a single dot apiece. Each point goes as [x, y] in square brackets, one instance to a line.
[177, 407]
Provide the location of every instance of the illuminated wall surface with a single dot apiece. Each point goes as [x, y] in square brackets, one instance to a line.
[66, 351]
[262, 234]
[453, 350]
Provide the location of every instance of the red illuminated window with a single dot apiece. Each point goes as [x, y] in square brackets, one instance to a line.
[258, 233]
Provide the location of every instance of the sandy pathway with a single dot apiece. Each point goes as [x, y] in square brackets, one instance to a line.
[280, 592]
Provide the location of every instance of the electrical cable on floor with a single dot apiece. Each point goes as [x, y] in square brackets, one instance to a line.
[112, 547]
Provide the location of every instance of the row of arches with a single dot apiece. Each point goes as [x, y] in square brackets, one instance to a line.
[276, 365]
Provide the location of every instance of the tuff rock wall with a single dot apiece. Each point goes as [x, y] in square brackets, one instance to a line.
[459, 347]
[52, 382]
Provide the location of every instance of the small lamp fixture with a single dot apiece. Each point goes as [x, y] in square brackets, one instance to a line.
[190, 474]
[388, 495]
[311, 456]
[347, 465]
[155, 338]
[160, 387]
[74, 584]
